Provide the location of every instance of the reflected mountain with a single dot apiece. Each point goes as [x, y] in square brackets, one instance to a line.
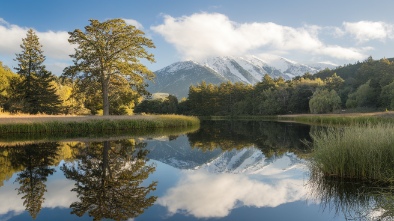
[204, 194]
[232, 145]
[108, 177]
[178, 153]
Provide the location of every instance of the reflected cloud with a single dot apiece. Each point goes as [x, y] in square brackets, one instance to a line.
[206, 195]
[59, 195]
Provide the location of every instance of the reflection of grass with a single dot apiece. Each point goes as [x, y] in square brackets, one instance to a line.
[54, 125]
[356, 200]
[14, 139]
[357, 152]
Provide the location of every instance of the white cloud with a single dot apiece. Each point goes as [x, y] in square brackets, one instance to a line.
[204, 34]
[365, 31]
[134, 23]
[58, 195]
[55, 44]
[205, 195]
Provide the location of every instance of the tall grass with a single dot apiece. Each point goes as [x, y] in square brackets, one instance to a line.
[339, 120]
[98, 125]
[357, 152]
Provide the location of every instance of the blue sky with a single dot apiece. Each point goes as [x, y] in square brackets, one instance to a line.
[335, 31]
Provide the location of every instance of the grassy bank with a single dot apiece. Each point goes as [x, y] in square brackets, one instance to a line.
[83, 125]
[342, 119]
[357, 152]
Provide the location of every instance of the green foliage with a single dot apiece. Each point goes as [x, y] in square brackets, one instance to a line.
[358, 152]
[362, 97]
[108, 53]
[6, 76]
[324, 101]
[387, 96]
[158, 106]
[33, 92]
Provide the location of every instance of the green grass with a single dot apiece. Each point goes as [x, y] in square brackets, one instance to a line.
[98, 125]
[356, 152]
[342, 120]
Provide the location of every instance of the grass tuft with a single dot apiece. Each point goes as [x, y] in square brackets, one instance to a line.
[357, 152]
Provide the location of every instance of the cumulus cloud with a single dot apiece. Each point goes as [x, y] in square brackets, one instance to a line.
[205, 195]
[365, 31]
[134, 23]
[205, 34]
[55, 44]
[58, 195]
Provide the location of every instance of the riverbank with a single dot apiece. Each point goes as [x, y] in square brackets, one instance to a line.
[52, 124]
[341, 119]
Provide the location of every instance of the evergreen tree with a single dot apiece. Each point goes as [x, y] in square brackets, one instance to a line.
[35, 91]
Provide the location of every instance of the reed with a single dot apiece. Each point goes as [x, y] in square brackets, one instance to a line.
[357, 152]
[341, 120]
[96, 125]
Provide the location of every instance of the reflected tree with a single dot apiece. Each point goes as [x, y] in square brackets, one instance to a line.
[37, 160]
[108, 179]
[272, 138]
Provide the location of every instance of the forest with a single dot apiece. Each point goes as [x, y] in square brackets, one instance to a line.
[108, 78]
[361, 87]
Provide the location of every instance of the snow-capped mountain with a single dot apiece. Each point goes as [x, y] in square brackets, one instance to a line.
[250, 161]
[176, 78]
[179, 154]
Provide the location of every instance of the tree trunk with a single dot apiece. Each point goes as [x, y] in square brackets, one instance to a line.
[105, 86]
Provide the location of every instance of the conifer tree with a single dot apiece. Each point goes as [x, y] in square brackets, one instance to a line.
[35, 91]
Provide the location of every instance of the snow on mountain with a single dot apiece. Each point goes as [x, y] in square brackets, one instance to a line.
[179, 154]
[251, 161]
[176, 78]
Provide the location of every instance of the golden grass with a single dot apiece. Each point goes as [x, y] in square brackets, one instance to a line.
[49, 124]
[342, 119]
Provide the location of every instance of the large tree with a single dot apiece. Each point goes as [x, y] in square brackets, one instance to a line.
[34, 89]
[110, 179]
[107, 51]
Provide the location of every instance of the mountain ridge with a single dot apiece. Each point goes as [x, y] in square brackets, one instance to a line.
[178, 77]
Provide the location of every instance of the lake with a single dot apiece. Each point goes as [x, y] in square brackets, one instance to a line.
[226, 170]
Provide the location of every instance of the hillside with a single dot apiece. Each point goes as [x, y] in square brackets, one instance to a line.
[176, 78]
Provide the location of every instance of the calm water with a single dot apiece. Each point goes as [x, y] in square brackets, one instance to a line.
[224, 171]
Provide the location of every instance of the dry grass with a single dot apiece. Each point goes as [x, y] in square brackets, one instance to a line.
[44, 124]
[27, 119]
[374, 114]
[386, 117]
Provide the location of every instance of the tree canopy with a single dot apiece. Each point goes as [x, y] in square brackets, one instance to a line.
[109, 52]
[33, 92]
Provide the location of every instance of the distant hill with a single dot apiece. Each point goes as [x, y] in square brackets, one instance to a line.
[176, 78]
[360, 72]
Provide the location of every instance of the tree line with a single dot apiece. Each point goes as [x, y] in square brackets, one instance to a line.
[363, 86]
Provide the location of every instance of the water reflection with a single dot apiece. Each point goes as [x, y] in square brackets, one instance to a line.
[272, 138]
[227, 170]
[209, 193]
[35, 161]
[108, 177]
[353, 200]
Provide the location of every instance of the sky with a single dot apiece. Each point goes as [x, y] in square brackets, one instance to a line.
[306, 31]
